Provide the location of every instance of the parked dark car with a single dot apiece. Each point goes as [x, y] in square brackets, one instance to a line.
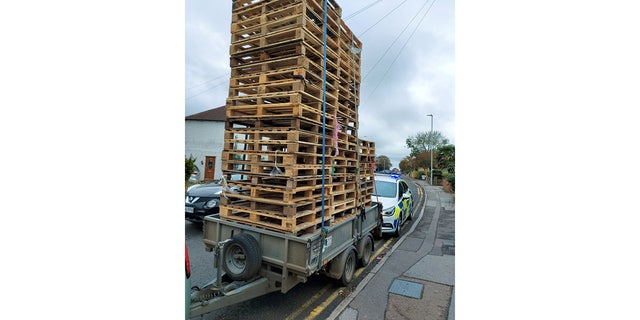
[202, 200]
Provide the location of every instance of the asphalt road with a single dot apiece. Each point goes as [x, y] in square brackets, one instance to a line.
[315, 299]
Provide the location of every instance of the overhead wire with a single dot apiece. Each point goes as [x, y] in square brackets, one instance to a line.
[206, 90]
[360, 10]
[386, 15]
[207, 81]
[208, 84]
[401, 49]
[394, 41]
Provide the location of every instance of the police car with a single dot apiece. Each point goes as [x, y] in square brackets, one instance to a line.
[397, 202]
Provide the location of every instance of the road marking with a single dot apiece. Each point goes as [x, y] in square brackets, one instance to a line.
[377, 253]
[318, 310]
[308, 303]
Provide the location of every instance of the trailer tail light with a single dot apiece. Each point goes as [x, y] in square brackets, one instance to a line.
[187, 265]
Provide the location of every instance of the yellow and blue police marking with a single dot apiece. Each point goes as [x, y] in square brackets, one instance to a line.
[400, 207]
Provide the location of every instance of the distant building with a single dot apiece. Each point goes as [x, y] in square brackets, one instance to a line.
[203, 140]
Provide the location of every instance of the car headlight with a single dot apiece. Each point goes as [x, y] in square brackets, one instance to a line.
[388, 212]
[210, 204]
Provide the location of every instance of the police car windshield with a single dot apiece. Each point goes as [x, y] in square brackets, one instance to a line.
[385, 189]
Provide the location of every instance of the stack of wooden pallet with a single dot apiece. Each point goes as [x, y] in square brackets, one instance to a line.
[282, 146]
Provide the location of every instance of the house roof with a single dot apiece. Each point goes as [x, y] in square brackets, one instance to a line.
[216, 114]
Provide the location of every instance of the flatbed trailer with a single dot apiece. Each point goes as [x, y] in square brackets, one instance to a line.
[252, 261]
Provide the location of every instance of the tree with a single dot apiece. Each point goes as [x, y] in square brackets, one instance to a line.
[446, 157]
[406, 164]
[425, 141]
[383, 163]
[423, 159]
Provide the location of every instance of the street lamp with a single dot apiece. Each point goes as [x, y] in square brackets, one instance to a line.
[430, 151]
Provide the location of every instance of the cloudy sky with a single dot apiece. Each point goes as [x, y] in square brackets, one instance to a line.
[407, 66]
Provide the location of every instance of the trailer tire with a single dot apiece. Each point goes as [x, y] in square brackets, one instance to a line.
[349, 267]
[242, 257]
[367, 248]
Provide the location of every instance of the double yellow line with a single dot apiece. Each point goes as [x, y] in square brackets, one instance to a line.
[321, 307]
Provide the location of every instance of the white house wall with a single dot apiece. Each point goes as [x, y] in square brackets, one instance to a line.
[204, 138]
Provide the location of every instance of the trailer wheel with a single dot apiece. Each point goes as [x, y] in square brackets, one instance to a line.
[367, 248]
[242, 257]
[349, 268]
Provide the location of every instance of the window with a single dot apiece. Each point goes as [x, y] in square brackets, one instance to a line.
[385, 189]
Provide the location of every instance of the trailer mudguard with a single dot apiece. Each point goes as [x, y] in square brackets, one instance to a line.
[336, 266]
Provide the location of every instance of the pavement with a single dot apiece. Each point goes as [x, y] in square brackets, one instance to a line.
[416, 276]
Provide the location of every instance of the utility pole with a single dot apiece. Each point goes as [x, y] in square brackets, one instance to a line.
[431, 150]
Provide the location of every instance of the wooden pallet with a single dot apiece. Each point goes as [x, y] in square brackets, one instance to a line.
[287, 140]
[309, 48]
[344, 205]
[295, 61]
[274, 123]
[269, 35]
[274, 76]
[284, 98]
[249, 10]
[261, 161]
[266, 217]
[245, 9]
[275, 109]
[266, 194]
[291, 28]
[255, 91]
[275, 104]
[260, 24]
[284, 161]
[367, 147]
[288, 183]
[255, 186]
[273, 39]
[266, 169]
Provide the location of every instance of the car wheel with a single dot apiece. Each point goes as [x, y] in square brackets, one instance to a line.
[242, 257]
[398, 232]
[367, 248]
[410, 217]
[349, 267]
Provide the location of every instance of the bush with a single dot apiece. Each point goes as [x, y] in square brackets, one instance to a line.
[437, 173]
[188, 167]
[451, 178]
[418, 174]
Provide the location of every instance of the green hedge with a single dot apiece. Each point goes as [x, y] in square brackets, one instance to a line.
[451, 178]
[188, 167]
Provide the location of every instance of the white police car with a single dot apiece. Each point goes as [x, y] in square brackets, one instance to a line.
[397, 202]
